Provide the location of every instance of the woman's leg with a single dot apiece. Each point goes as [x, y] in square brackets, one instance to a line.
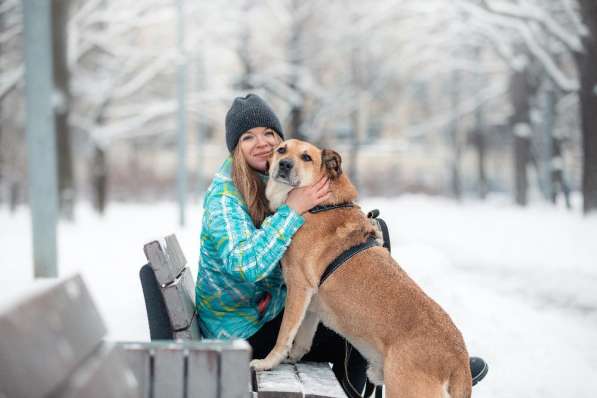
[264, 340]
[328, 346]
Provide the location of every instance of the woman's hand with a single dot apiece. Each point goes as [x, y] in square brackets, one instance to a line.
[305, 198]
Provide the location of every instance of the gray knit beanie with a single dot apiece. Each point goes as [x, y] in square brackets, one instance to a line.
[246, 113]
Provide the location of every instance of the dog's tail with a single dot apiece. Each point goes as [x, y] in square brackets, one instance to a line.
[460, 384]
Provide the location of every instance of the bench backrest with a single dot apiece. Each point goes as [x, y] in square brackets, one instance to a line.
[176, 285]
[51, 345]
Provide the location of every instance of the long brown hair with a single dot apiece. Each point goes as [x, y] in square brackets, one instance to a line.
[250, 185]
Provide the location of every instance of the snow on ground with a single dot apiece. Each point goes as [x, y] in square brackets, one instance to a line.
[519, 283]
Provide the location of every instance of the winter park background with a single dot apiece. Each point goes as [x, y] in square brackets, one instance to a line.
[471, 125]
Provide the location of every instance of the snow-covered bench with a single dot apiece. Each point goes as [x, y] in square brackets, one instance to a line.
[169, 298]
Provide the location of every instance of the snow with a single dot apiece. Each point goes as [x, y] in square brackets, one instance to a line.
[519, 283]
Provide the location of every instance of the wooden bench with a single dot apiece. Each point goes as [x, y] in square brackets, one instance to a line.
[176, 286]
[172, 278]
[181, 369]
[52, 345]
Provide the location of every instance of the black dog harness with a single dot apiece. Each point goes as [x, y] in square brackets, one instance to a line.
[353, 251]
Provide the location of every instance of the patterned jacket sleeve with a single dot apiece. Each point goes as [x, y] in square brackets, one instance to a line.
[249, 253]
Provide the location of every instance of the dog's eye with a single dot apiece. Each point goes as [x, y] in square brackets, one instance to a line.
[281, 150]
[306, 157]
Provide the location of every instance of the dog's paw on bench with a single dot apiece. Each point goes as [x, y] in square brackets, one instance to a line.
[297, 380]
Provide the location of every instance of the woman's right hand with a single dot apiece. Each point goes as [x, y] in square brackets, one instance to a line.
[305, 198]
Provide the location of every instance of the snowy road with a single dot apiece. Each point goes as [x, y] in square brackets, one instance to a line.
[520, 284]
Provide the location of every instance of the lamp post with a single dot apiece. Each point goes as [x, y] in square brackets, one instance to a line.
[41, 135]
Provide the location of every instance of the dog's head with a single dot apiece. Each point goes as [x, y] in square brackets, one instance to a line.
[298, 163]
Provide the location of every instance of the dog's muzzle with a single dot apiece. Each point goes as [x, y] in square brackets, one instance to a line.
[284, 168]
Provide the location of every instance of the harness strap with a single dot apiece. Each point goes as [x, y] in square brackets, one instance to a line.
[320, 208]
[374, 214]
[347, 255]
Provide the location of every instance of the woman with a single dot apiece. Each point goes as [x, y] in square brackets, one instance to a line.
[240, 291]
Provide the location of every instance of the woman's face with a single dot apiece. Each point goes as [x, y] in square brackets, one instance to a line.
[257, 145]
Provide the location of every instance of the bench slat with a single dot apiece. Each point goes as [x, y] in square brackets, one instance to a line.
[281, 381]
[138, 357]
[180, 300]
[59, 324]
[235, 374]
[175, 253]
[104, 375]
[308, 379]
[319, 381]
[169, 371]
[190, 333]
[167, 264]
[204, 372]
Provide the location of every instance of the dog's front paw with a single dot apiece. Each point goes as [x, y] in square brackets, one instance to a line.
[260, 364]
[297, 353]
[263, 364]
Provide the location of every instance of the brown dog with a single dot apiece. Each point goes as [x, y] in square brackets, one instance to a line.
[411, 344]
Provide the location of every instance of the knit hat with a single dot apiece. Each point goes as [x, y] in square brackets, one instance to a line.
[246, 113]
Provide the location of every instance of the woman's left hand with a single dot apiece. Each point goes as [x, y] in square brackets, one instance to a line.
[305, 198]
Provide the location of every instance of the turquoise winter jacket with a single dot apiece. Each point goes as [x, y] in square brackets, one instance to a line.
[239, 263]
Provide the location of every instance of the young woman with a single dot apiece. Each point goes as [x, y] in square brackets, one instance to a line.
[240, 291]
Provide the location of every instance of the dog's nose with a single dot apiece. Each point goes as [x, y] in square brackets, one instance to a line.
[286, 164]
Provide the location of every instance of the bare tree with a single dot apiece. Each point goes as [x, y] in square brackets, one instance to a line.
[587, 67]
[520, 122]
[12, 165]
[479, 137]
[548, 34]
[66, 183]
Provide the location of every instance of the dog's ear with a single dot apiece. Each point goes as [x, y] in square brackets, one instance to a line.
[332, 162]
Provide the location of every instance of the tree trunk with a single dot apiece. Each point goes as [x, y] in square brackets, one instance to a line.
[13, 195]
[557, 178]
[479, 135]
[99, 178]
[66, 189]
[353, 154]
[521, 160]
[549, 155]
[481, 148]
[296, 123]
[99, 167]
[520, 123]
[587, 67]
[244, 52]
[2, 178]
[295, 55]
[455, 178]
[1, 161]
